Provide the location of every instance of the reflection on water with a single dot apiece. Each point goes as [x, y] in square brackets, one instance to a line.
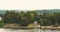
[27, 30]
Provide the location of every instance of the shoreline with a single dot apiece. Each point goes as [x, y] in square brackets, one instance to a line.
[15, 26]
[50, 27]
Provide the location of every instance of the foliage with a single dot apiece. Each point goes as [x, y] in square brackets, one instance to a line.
[25, 18]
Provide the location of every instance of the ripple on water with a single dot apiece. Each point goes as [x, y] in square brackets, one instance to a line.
[27, 30]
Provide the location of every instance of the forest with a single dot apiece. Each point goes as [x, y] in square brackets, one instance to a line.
[25, 18]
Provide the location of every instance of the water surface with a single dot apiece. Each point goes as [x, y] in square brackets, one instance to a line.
[27, 30]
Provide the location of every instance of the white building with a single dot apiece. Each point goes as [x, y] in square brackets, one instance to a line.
[0, 18]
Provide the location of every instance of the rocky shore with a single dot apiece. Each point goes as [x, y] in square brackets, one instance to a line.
[11, 26]
[15, 26]
[50, 27]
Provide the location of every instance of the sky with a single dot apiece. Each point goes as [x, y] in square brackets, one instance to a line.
[29, 4]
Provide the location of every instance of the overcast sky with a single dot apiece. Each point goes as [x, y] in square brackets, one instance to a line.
[29, 4]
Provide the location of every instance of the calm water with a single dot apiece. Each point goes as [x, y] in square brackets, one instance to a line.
[27, 30]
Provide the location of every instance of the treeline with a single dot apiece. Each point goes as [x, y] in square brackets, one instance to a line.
[22, 18]
[25, 18]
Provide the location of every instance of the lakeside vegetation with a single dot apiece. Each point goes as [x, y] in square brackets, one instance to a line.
[25, 18]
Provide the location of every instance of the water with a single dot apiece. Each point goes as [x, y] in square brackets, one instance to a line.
[27, 30]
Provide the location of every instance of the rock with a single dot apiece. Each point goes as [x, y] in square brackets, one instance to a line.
[12, 26]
